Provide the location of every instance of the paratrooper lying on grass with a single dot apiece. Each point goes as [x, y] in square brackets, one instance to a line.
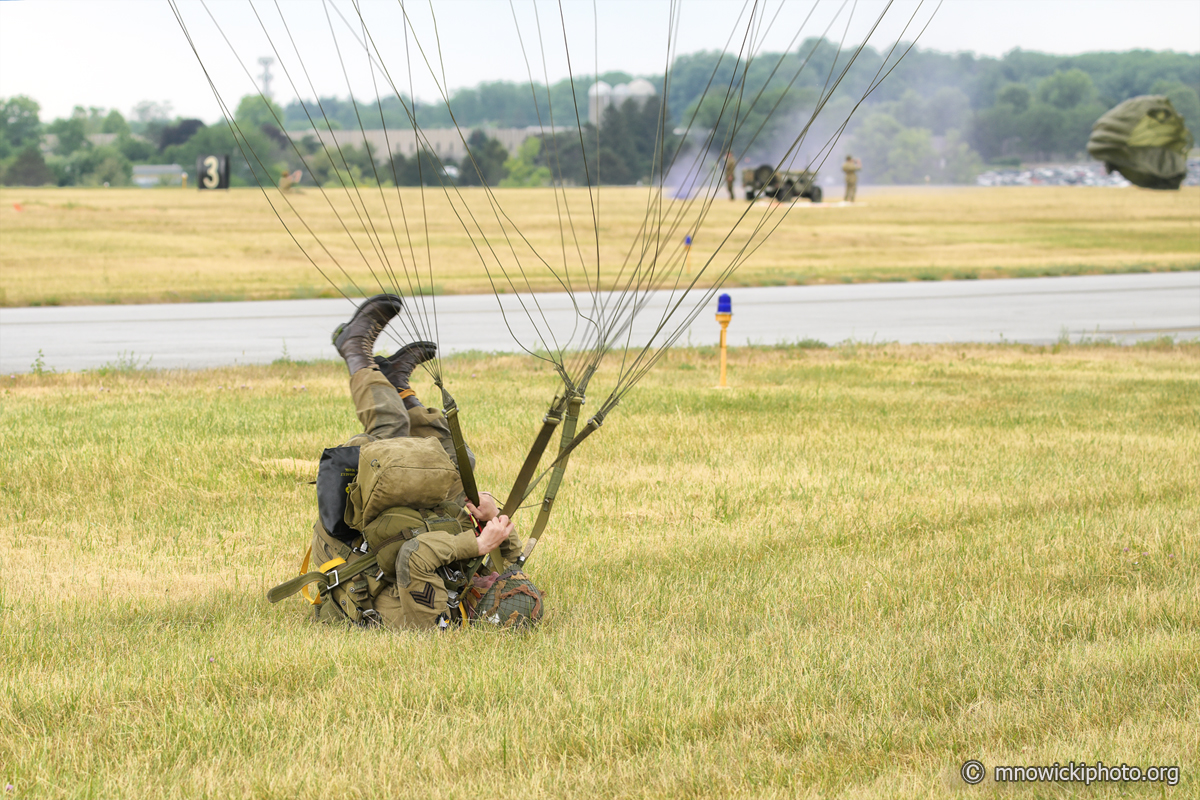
[398, 543]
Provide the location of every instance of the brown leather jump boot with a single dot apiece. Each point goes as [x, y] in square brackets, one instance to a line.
[399, 366]
[355, 340]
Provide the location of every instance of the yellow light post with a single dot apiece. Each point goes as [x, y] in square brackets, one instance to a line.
[724, 315]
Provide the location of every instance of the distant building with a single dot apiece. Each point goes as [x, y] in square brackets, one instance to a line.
[150, 175]
[50, 140]
[601, 96]
[447, 143]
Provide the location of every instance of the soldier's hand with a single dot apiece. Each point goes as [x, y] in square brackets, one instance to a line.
[495, 532]
[486, 511]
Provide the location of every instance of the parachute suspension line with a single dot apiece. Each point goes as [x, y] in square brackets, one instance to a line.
[649, 282]
[247, 151]
[497, 211]
[671, 310]
[582, 148]
[642, 230]
[413, 324]
[587, 356]
[411, 113]
[637, 283]
[599, 125]
[442, 91]
[795, 76]
[271, 109]
[707, 203]
[420, 316]
[378, 239]
[454, 208]
[752, 245]
[565, 281]
[560, 185]
[419, 134]
[433, 367]
[244, 145]
[325, 148]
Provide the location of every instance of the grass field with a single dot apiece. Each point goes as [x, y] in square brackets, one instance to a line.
[843, 577]
[72, 246]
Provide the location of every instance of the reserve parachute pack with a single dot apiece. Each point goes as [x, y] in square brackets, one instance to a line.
[387, 533]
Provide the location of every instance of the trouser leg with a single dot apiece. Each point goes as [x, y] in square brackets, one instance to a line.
[384, 414]
[378, 406]
[431, 424]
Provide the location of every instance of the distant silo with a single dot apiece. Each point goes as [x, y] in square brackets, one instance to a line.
[601, 96]
[640, 89]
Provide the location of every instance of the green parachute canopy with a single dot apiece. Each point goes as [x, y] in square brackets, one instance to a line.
[1145, 140]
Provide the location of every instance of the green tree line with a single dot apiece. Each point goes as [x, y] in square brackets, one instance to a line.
[939, 115]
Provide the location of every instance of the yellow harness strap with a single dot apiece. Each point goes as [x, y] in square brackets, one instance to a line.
[315, 597]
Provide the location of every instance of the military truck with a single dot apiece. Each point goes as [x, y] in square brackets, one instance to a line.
[783, 185]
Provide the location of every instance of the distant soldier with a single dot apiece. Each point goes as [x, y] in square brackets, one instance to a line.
[850, 167]
[730, 166]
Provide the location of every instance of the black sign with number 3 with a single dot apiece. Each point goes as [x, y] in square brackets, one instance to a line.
[212, 172]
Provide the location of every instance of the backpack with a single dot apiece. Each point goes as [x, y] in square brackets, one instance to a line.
[409, 472]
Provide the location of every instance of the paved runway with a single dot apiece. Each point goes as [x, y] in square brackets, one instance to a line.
[1124, 308]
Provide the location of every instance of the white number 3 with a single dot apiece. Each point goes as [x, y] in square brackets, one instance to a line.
[212, 177]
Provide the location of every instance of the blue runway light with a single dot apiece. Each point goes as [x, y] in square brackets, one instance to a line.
[724, 305]
[687, 240]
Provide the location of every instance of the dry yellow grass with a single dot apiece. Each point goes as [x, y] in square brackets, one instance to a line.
[70, 246]
[843, 577]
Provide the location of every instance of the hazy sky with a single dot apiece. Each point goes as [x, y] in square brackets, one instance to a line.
[115, 53]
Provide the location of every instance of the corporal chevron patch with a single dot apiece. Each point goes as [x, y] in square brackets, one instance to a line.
[424, 597]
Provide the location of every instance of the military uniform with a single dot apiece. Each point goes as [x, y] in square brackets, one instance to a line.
[418, 596]
[850, 167]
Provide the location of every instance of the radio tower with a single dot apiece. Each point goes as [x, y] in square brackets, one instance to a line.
[266, 62]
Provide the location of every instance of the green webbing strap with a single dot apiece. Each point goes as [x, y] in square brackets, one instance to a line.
[465, 471]
[560, 469]
[521, 484]
[344, 573]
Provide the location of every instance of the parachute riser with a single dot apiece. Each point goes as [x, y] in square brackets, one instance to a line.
[465, 471]
[559, 470]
